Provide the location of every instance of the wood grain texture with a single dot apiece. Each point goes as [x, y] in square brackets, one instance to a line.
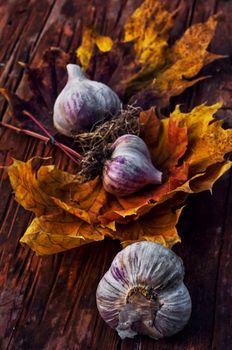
[49, 302]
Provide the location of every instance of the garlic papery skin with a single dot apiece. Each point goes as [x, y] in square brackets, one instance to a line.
[143, 292]
[82, 103]
[130, 167]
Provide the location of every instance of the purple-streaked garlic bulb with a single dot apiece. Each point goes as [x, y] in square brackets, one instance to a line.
[82, 103]
[130, 167]
[143, 292]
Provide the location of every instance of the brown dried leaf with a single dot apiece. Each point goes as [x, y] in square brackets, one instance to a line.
[40, 89]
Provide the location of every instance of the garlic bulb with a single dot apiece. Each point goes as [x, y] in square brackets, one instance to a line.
[82, 103]
[143, 292]
[130, 167]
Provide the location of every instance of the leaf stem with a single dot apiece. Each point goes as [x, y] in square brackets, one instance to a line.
[73, 155]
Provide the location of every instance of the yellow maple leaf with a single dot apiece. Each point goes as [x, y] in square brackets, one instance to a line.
[206, 179]
[188, 147]
[186, 58]
[103, 42]
[179, 64]
[83, 200]
[166, 70]
[49, 234]
[34, 185]
[89, 39]
[208, 141]
[149, 28]
[159, 226]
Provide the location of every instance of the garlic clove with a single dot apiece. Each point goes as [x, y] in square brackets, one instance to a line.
[176, 304]
[143, 292]
[130, 142]
[130, 167]
[82, 103]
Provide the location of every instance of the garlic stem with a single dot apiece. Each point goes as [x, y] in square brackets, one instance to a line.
[58, 144]
[74, 72]
[68, 151]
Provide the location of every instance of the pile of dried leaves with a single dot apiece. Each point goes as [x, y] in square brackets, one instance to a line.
[188, 147]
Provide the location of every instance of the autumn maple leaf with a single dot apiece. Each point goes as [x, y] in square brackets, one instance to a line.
[184, 146]
[150, 64]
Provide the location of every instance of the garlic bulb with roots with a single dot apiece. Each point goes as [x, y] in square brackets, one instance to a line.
[82, 103]
[143, 292]
[130, 167]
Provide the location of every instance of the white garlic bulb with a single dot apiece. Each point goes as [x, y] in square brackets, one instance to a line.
[143, 292]
[82, 103]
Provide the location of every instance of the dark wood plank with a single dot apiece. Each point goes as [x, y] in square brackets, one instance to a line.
[222, 337]
[49, 302]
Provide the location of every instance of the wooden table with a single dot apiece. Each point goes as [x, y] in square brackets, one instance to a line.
[49, 302]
